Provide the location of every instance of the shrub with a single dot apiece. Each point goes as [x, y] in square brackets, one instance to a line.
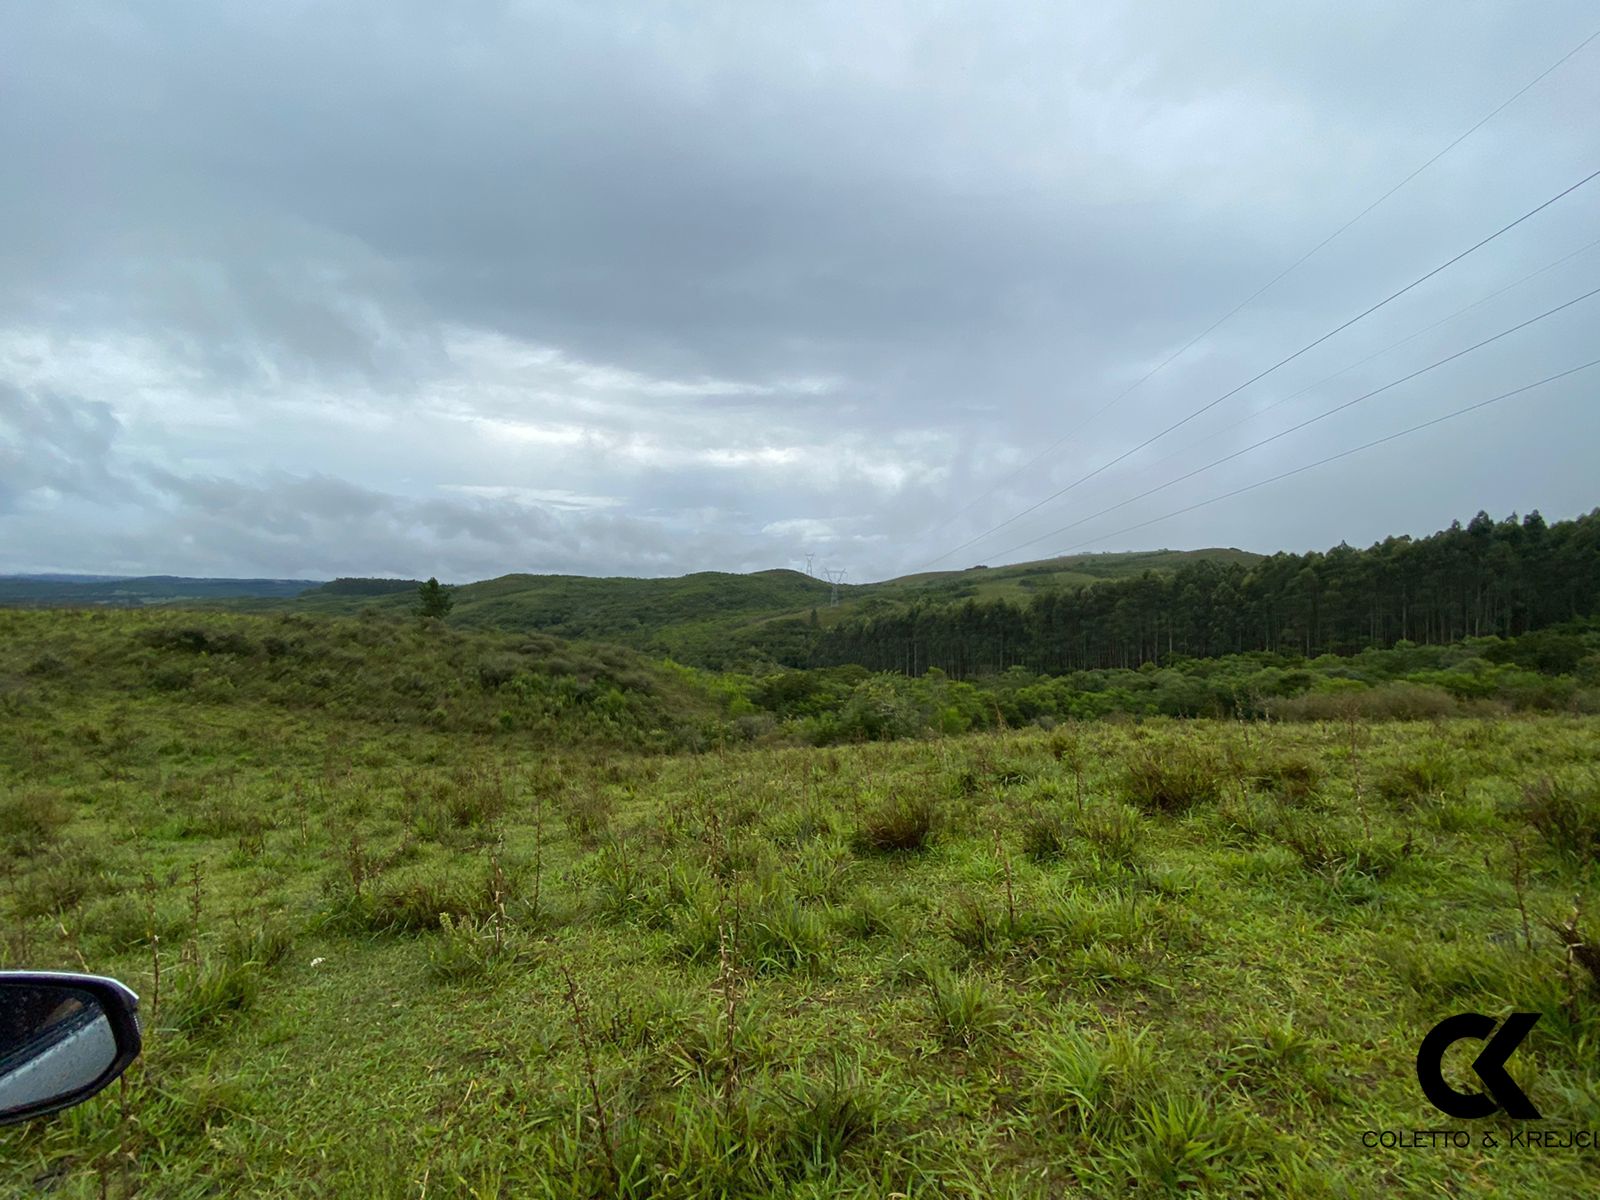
[498, 670]
[195, 640]
[46, 665]
[1388, 702]
[898, 824]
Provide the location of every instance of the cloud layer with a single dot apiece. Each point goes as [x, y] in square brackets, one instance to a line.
[467, 289]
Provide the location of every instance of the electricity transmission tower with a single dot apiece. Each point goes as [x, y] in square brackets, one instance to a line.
[835, 578]
[809, 557]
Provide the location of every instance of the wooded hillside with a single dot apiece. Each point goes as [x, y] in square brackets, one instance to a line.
[1488, 577]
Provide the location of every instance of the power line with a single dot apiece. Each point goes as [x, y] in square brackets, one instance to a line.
[1264, 288]
[1450, 416]
[1263, 374]
[1311, 387]
[1338, 408]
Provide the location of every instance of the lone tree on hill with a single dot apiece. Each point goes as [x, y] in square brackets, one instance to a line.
[434, 600]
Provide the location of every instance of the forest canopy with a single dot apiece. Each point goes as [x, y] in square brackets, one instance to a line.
[1500, 578]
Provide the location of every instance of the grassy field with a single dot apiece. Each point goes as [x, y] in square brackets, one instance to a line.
[398, 947]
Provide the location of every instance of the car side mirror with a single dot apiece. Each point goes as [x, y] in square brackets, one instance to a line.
[63, 1037]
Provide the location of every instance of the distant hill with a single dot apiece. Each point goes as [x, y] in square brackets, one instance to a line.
[136, 592]
[716, 619]
[711, 618]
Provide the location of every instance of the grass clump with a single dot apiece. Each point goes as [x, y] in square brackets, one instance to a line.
[32, 821]
[766, 930]
[1566, 815]
[1429, 771]
[1046, 834]
[867, 915]
[467, 949]
[1171, 779]
[1091, 1083]
[1293, 778]
[825, 1116]
[211, 993]
[1115, 832]
[966, 1011]
[61, 880]
[1179, 1142]
[900, 824]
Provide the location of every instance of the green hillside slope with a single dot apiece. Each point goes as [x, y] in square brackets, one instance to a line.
[213, 676]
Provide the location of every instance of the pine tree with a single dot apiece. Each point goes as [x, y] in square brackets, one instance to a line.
[434, 600]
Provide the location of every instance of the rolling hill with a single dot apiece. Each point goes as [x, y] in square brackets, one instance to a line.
[710, 618]
[715, 619]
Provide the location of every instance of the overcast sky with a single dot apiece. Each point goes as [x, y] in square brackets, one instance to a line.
[305, 290]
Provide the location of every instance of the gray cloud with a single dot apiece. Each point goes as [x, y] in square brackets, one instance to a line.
[494, 286]
[55, 445]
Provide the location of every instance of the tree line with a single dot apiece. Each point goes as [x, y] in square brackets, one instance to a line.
[1488, 577]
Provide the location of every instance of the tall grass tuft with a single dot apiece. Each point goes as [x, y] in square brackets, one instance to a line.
[1171, 779]
[825, 1116]
[900, 824]
[32, 821]
[966, 1012]
[1566, 815]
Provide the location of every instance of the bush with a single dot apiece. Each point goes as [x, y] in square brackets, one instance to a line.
[1388, 702]
[499, 670]
[195, 640]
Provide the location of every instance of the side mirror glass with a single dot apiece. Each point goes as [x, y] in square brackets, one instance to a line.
[63, 1037]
